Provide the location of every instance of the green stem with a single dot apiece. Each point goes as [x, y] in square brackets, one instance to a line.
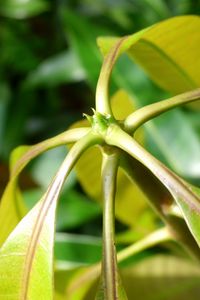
[178, 188]
[148, 112]
[102, 97]
[75, 152]
[69, 136]
[117, 137]
[109, 265]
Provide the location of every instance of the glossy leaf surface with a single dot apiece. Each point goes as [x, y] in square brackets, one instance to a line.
[163, 50]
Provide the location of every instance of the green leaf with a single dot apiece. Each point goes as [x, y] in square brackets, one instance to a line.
[190, 208]
[29, 248]
[61, 68]
[175, 61]
[75, 210]
[12, 209]
[22, 9]
[81, 250]
[28, 252]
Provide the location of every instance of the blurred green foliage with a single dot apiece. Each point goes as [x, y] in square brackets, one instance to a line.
[49, 66]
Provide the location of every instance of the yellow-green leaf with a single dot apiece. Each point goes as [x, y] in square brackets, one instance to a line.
[26, 256]
[168, 51]
[28, 251]
[12, 209]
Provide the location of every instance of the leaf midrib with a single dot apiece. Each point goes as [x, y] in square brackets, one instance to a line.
[37, 229]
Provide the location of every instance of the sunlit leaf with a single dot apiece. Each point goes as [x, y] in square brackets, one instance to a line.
[28, 253]
[12, 209]
[29, 248]
[163, 50]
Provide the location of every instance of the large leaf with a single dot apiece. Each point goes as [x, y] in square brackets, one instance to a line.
[163, 50]
[28, 252]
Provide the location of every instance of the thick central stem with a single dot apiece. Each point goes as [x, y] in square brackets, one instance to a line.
[109, 267]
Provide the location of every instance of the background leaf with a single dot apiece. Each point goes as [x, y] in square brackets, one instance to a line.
[22, 9]
[61, 68]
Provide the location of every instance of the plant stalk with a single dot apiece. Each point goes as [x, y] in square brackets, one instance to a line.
[102, 97]
[109, 263]
[175, 185]
[148, 112]
[69, 136]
